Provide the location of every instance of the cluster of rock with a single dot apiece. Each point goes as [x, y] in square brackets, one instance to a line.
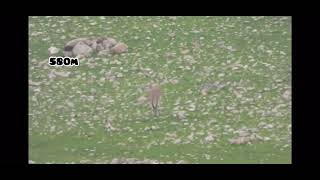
[245, 136]
[86, 46]
[216, 85]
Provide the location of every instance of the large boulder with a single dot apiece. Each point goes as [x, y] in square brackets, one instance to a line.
[81, 49]
[108, 43]
[73, 42]
[68, 53]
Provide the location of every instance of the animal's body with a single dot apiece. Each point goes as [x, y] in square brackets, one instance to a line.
[154, 98]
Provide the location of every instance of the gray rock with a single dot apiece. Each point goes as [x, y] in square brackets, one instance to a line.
[94, 45]
[99, 47]
[90, 42]
[287, 94]
[119, 48]
[68, 53]
[109, 43]
[73, 42]
[84, 47]
[104, 52]
[243, 133]
[81, 49]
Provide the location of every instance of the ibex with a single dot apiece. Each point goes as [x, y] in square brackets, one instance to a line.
[154, 98]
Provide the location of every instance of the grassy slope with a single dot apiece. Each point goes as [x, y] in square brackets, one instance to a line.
[263, 44]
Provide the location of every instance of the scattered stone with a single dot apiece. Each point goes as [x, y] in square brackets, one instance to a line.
[62, 74]
[240, 140]
[209, 138]
[53, 50]
[184, 51]
[210, 86]
[142, 99]
[245, 135]
[51, 75]
[109, 127]
[287, 94]
[180, 114]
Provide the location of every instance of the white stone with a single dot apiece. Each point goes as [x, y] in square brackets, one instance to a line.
[53, 50]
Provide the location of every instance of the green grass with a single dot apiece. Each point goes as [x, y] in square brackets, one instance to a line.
[60, 133]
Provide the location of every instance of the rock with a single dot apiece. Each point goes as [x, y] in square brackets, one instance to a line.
[70, 104]
[109, 43]
[94, 46]
[51, 75]
[62, 74]
[262, 125]
[191, 107]
[204, 91]
[177, 141]
[90, 42]
[244, 133]
[73, 42]
[189, 59]
[103, 52]
[239, 140]
[255, 137]
[209, 138]
[184, 51]
[84, 47]
[119, 48]
[172, 34]
[171, 136]
[100, 47]
[81, 49]
[100, 40]
[142, 99]
[287, 94]
[180, 114]
[109, 127]
[266, 139]
[53, 50]
[268, 126]
[68, 53]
